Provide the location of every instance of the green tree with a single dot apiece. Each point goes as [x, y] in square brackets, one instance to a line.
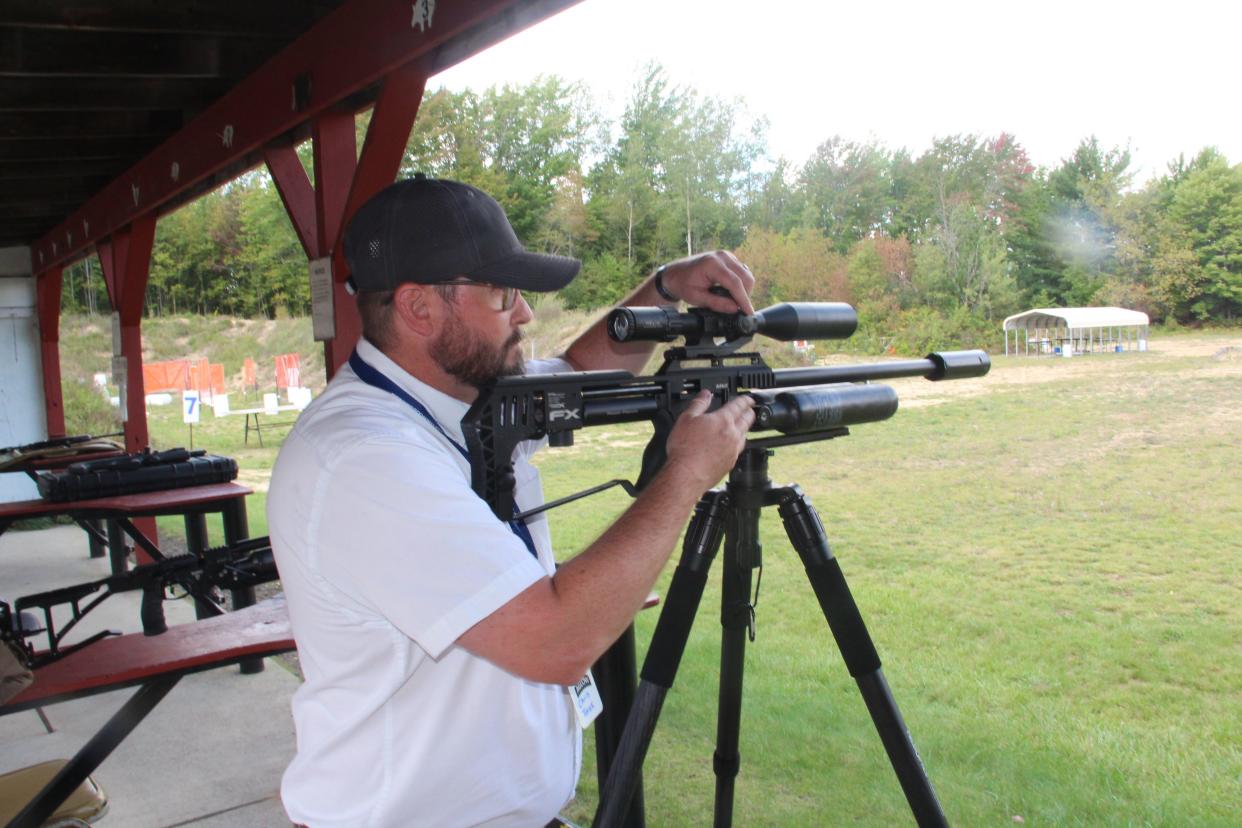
[678, 177]
[271, 258]
[181, 259]
[963, 263]
[524, 145]
[629, 186]
[1207, 205]
[846, 192]
[796, 266]
[777, 201]
[963, 198]
[604, 280]
[1082, 225]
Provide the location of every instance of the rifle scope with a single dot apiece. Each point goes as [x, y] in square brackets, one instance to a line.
[819, 408]
[785, 322]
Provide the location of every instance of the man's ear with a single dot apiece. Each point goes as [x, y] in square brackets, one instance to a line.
[411, 303]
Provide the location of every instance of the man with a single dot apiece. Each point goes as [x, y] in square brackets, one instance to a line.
[438, 642]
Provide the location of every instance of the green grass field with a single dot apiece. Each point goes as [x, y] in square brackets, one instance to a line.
[1047, 561]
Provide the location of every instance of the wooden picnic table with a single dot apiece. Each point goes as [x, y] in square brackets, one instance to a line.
[156, 664]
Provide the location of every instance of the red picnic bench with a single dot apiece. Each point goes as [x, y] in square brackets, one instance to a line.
[156, 664]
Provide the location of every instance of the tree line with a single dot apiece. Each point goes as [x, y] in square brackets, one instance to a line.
[930, 247]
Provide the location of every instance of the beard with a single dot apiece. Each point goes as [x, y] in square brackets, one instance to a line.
[463, 354]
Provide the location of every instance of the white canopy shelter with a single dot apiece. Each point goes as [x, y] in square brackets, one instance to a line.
[1069, 331]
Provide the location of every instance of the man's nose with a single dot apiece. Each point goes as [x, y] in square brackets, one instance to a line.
[521, 311]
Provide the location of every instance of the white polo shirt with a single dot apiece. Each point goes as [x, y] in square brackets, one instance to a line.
[387, 556]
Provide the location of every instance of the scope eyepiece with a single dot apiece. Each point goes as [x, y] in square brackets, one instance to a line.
[653, 324]
[784, 322]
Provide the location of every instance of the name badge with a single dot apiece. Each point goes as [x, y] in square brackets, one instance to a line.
[587, 703]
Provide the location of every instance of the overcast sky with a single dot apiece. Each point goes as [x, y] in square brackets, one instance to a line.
[1161, 77]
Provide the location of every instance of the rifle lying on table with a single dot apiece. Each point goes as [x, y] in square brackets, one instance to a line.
[244, 564]
[820, 401]
[57, 447]
[58, 443]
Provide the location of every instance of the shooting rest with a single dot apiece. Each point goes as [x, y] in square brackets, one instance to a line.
[733, 514]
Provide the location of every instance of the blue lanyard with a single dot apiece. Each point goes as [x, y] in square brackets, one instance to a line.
[372, 376]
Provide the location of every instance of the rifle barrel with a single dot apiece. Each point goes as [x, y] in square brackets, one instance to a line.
[937, 366]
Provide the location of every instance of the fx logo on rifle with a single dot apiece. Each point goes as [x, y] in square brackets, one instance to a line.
[558, 410]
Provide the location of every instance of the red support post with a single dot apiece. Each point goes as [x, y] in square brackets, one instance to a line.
[343, 184]
[336, 154]
[126, 261]
[47, 293]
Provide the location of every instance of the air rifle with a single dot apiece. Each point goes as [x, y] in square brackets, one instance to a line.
[819, 403]
[20, 457]
[244, 564]
[57, 443]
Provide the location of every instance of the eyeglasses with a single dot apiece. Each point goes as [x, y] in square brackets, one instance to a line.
[508, 295]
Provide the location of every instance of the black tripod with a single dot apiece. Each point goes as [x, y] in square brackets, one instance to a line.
[734, 514]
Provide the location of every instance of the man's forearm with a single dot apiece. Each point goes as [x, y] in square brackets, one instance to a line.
[601, 589]
[557, 627]
[595, 350]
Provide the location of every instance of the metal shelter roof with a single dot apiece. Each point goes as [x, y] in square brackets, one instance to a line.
[1075, 318]
[115, 109]
[89, 87]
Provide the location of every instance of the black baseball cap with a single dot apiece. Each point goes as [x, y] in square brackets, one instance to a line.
[430, 230]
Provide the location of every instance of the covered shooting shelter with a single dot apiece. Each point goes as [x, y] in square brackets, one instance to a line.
[1069, 331]
[116, 112]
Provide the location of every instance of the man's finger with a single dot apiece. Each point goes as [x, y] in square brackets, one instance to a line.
[745, 281]
[737, 300]
[743, 410]
[701, 402]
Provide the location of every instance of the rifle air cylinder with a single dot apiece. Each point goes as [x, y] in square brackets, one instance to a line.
[816, 409]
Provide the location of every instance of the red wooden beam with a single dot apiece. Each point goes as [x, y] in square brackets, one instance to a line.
[47, 299]
[344, 54]
[387, 135]
[320, 214]
[336, 158]
[125, 258]
[295, 191]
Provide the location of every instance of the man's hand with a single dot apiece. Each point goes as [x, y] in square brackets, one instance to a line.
[705, 446]
[693, 278]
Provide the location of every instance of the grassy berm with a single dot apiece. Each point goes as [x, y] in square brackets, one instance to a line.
[1047, 560]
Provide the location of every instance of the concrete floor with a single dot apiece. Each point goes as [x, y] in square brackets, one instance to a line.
[210, 754]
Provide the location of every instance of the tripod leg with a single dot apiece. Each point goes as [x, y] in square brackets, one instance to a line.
[806, 533]
[668, 643]
[735, 622]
